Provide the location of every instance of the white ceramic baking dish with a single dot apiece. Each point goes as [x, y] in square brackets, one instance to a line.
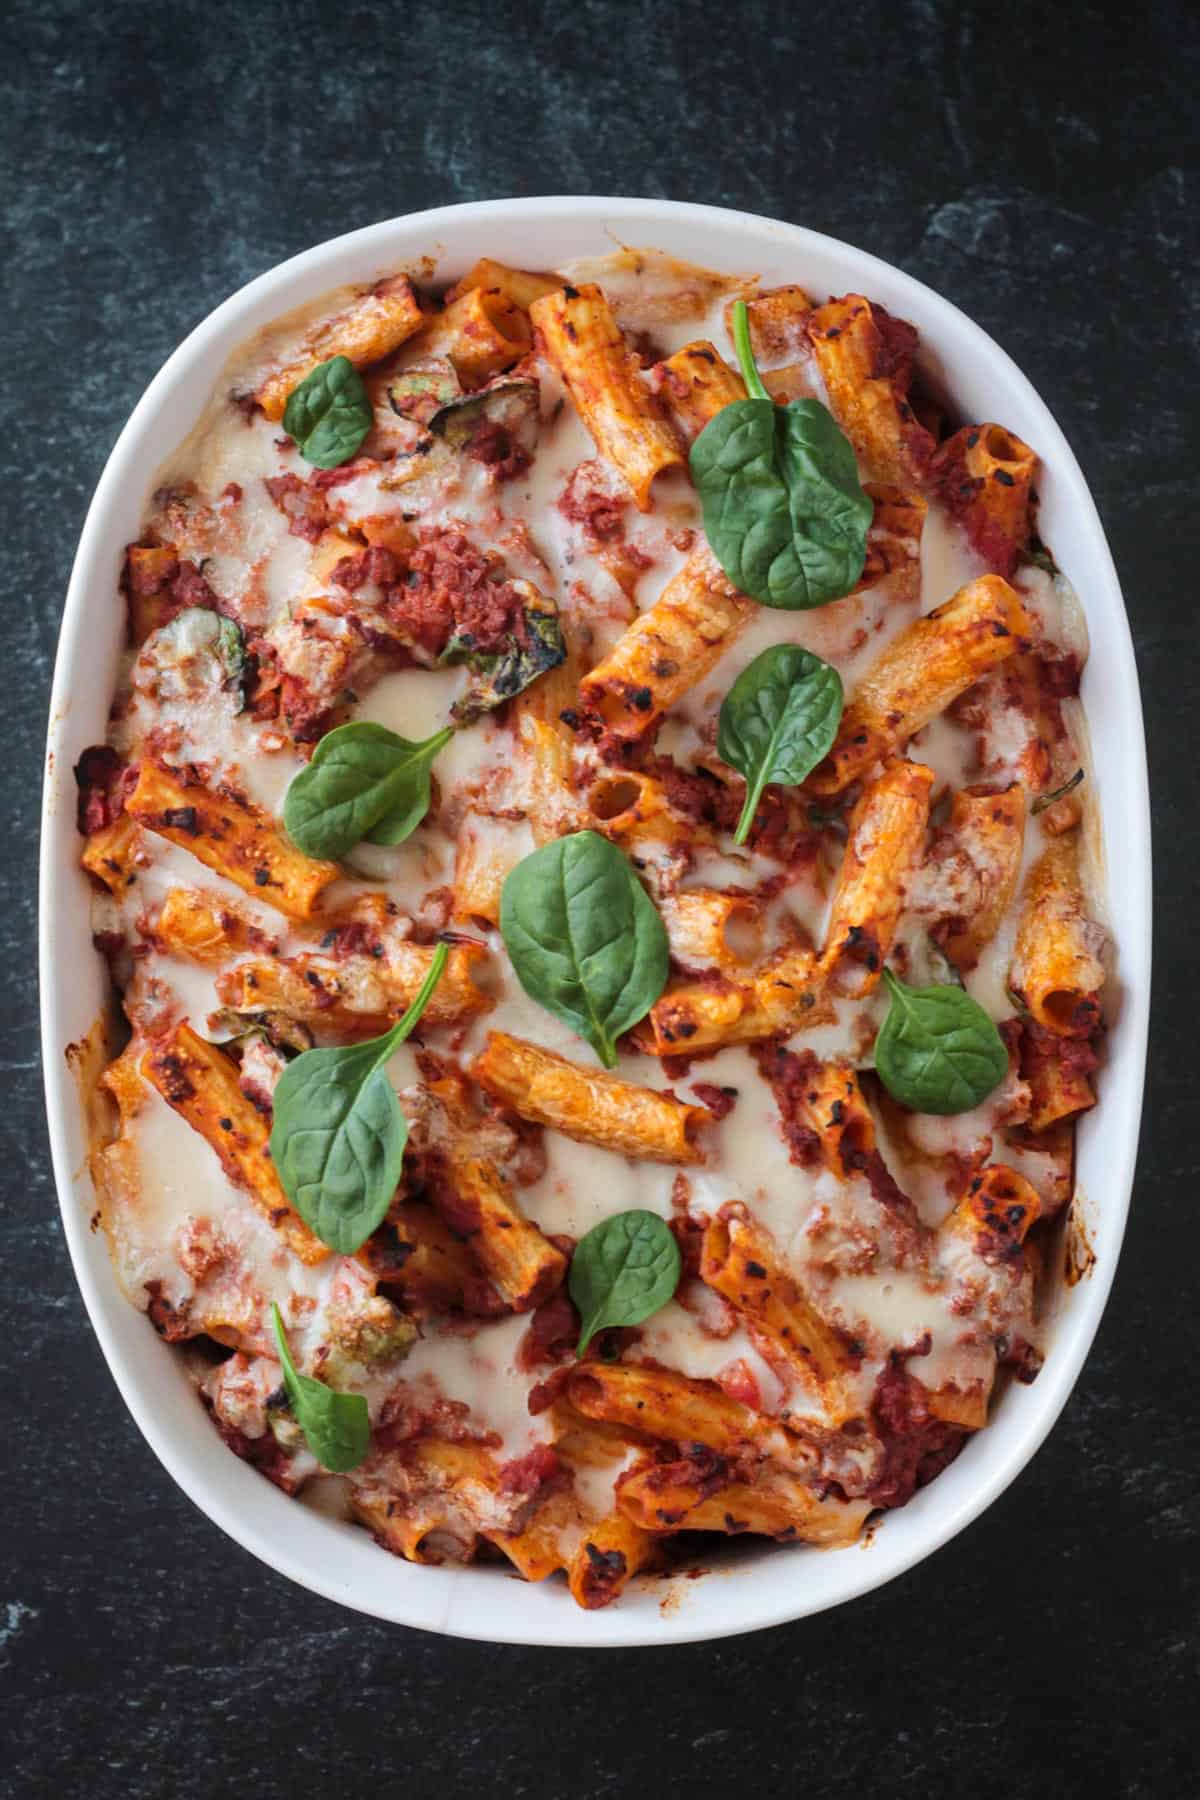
[750, 1587]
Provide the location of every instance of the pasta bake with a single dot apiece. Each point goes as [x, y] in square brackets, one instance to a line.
[592, 848]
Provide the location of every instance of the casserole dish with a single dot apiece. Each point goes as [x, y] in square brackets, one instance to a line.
[328, 1555]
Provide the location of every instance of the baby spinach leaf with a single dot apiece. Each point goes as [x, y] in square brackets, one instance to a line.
[585, 938]
[777, 721]
[338, 1134]
[622, 1271]
[784, 511]
[336, 1427]
[329, 414]
[363, 782]
[937, 1050]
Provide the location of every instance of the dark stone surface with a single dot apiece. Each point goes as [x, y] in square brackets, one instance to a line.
[1034, 164]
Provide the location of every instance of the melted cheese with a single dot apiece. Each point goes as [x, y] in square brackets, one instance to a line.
[818, 1223]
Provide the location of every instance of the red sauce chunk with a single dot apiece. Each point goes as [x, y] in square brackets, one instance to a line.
[916, 1445]
[450, 589]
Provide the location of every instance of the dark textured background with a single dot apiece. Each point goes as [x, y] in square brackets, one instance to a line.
[1033, 164]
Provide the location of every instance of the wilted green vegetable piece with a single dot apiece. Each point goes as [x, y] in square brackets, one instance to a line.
[420, 393]
[526, 654]
[509, 401]
[196, 651]
[242, 1028]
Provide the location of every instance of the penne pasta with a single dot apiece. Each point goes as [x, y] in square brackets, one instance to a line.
[668, 648]
[865, 359]
[426, 1266]
[148, 572]
[200, 1083]
[231, 837]
[580, 336]
[787, 994]
[1056, 971]
[203, 927]
[739, 1260]
[481, 332]
[521, 286]
[696, 383]
[609, 1555]
[375, 324]
[423, 1502]
[713, 929]
[486, 851]
[885, 841]
[109, 854]
[1058, 1072]
[985, 475]
[358, 995]
[835, 1108]
[994, 1215]
[775, 1505]
[589, 1104]
[634, 808]
[984, 841]
[919, 674]
[894, 541]
[662, 1404]
[546, 1544]
[778, 322]
[524, 1267]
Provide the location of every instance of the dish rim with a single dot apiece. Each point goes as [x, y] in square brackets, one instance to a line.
[721, 1607]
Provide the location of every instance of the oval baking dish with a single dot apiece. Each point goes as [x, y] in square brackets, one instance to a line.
[750, 1587]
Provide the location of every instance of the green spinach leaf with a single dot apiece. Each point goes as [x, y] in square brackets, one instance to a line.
[622, 1271]
[363, 782]
[585, 938]
[336, 1427]
[329, 414]
[777, 721]
[338, 1134]
[937, 1050]
[784, 511]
